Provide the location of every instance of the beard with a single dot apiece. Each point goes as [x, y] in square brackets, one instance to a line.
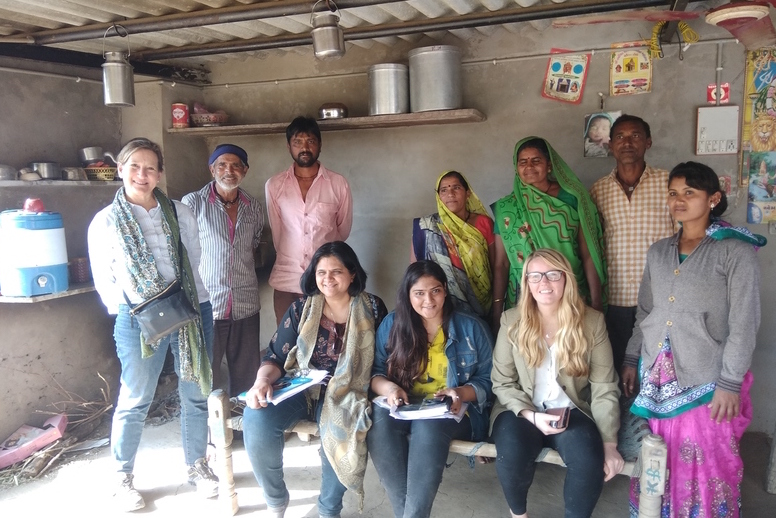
[229, 184]
[305, 159]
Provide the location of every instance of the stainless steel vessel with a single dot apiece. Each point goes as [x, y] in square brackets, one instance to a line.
[389, 89]
[435, 78]
[47, 170]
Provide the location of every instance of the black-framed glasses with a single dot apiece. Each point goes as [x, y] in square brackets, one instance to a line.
[552, 276]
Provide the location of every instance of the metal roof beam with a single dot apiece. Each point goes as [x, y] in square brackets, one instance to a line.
[240, 13]
[95, 61]
[520, 14]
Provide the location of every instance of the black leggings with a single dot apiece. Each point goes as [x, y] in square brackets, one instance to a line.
[519, 442]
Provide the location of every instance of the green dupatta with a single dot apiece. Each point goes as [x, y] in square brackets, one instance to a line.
[528, 219]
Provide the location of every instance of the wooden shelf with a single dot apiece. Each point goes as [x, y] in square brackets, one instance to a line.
[58, 183]
[74, 289]
[348, 123]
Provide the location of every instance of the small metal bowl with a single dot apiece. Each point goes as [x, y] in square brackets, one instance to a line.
[332, 111]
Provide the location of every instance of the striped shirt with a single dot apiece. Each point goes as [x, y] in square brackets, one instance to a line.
[227, 266]
[630, 228]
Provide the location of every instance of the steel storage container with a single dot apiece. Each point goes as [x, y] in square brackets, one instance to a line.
[34, 258]
[388, 89]
[435, 78]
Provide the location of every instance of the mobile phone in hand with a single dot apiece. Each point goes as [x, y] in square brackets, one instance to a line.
[563, 416]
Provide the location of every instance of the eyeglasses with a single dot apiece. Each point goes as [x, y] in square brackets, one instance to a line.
[536, 277]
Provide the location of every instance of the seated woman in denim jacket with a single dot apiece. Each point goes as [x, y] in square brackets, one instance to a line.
[426, 347]
[553, 352]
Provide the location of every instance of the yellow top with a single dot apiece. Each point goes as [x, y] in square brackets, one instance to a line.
[435, 377]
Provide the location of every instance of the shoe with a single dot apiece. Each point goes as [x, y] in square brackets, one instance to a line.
[126, 497]
[277, 512]
[201, 476]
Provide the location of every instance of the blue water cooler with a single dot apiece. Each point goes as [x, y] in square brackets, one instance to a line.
[33, 253]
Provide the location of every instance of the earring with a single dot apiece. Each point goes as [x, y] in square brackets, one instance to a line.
[712, 205]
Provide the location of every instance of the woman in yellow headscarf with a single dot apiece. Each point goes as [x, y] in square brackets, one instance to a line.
[459, 238]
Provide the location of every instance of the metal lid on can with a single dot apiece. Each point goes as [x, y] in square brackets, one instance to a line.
[434, 48]
[388, 66]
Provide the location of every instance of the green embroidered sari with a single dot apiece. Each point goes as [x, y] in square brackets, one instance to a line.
[528, 219]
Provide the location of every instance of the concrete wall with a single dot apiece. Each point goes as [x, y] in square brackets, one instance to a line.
[392, 171]
[69, 340]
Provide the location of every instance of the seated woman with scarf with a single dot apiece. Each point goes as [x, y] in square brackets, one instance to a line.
[460, 239]
[331, 328]
[548, 208]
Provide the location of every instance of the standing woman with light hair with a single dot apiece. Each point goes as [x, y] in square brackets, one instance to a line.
[553, 353]
[138, 246]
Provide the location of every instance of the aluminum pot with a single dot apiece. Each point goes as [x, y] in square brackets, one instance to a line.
[332, 111]
[388, 89]
[47, 170]
[8, 173]
[74, 173]
[435, 78]
[93, 154]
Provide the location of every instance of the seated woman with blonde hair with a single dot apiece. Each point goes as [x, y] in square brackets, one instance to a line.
[553, 353]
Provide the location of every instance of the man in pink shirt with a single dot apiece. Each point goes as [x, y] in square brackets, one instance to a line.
[308, 206]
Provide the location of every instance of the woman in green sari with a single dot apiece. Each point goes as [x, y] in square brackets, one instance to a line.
[548, 208]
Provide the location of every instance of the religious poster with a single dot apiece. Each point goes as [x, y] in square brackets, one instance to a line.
[630, 71]
[758, 168]
[596, 136]
[565, 77]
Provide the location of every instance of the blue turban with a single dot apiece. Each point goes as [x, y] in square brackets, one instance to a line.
[228, 148]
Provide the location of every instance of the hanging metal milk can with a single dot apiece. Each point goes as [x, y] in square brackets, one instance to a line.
[328, 40]
[118, 82]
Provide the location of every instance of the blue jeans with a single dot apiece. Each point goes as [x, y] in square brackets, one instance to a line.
[409, 457]
[263, 438]
[139, 378]
[519, 442]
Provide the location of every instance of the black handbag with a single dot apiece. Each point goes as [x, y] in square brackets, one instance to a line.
[168, 310]
[164, 313]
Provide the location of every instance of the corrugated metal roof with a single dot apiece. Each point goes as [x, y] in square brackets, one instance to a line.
[20, 19]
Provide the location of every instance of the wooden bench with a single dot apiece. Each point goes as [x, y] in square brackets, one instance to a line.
[221, 426]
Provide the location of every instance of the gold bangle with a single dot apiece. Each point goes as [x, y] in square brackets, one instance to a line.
[498, 300]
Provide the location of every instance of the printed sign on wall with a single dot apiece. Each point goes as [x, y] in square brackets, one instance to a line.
[565, 77]
[758, 167]
[631, 71]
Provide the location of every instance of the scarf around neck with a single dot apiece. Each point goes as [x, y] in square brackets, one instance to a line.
[345, 417]
[720, 229]
[146, 282]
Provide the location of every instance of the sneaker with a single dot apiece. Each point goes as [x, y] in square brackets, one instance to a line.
[277, 512]
[128, 498]
[201, 476]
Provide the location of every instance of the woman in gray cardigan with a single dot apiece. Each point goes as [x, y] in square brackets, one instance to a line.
[696, 325]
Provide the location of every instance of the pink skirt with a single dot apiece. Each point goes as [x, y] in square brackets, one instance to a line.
[705, 467]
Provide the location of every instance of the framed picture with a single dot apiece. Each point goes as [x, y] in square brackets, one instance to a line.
[596, 135]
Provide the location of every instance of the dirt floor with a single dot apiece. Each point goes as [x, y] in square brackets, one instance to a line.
[81, 483]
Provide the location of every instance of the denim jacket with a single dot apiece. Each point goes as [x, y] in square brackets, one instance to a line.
[469, 351]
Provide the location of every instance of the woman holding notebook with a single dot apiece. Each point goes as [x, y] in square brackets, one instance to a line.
[426, 348]
[331, 328]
